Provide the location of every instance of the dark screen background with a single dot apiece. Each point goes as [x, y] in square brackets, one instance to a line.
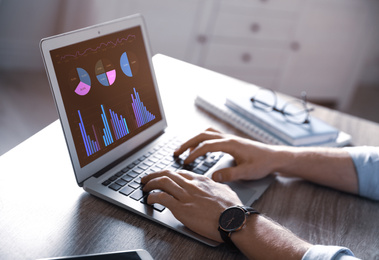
[115, 97]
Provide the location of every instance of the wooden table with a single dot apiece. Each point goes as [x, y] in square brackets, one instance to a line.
[43, 213]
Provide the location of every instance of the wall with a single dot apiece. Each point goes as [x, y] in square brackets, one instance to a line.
[174, 27]
[24, 23]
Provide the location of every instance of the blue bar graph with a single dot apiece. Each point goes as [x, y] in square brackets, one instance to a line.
[142, 115]
[120, 128]
[107, 137]
[90, 145]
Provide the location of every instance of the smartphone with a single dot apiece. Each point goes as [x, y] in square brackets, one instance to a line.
[138, 254]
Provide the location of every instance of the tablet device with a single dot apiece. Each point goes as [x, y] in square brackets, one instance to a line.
[138, 254]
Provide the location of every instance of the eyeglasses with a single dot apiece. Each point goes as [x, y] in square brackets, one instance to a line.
[295, 111]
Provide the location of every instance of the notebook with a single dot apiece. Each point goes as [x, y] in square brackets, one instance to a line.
[108, 101]
[313, 133]
[216, 106]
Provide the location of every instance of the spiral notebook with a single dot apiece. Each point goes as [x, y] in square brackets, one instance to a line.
[216, 106]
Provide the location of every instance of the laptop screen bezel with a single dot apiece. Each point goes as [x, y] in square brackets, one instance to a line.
[66, 39]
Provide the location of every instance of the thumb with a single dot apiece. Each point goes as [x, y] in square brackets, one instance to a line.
[225, 175]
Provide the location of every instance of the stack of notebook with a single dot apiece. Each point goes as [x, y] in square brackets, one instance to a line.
[270, 127]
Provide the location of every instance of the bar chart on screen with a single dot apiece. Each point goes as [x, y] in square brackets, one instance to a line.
[90, 145]
[99, 128]
[119, 126]
[141, 113]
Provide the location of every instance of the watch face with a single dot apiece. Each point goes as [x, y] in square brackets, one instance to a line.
[232, 219]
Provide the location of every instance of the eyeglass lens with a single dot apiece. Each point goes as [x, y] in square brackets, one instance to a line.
[264, 99]
[294, 111]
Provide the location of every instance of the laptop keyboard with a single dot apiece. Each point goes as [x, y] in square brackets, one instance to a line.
[128, 181]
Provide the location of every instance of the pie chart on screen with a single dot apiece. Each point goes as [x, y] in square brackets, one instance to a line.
[105, 72]
[80, 81]
[129, 63]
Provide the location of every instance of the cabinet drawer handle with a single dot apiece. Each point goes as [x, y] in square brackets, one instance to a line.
[255, 27]
[201, 38]
[295, 46]
[246, 57]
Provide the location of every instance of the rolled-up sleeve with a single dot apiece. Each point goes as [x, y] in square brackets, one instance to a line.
[366, 161]
[320, 252]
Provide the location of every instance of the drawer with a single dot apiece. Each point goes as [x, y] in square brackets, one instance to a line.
[261, 77]
[278, 5]
[254, 26]
[244, 56]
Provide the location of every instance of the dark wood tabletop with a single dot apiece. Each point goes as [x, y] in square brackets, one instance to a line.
[43, 212]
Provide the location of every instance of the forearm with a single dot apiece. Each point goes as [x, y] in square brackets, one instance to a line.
[264, 239]
[331, 167]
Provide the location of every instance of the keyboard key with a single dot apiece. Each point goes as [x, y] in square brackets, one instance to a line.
[189, 167]
[155, 169]
[209, 164]
[119, 174]
[159, 165]
[127, 178]
[143, 157]
[138, 194]
[113, 178]
[126, 191]
[170, 168]
[121, 182]
[177, 164]
[106, 183]
[134, 185]
[203, 168]
[198, 171]
[138, 180]
[133, 173]
[158, 207]
[137, 171]
[153, 159]
[158, 156]
[148, 163]
[151, 170]
[126, 169]
[143, 166]
[115, 187]
[165, 162]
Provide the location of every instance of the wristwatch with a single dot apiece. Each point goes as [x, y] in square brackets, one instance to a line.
[232, 220]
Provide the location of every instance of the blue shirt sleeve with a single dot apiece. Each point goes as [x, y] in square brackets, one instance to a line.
[366, 161]
[319, 252]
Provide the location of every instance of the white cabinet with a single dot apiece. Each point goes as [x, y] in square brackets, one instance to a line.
[286, 45]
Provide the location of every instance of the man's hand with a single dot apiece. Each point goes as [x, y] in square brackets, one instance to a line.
[195, 200]
[198, 202]
[254, 160]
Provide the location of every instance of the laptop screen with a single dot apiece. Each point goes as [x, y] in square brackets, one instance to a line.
[107, 90]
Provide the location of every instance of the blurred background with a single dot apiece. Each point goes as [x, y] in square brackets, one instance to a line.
[328, 48]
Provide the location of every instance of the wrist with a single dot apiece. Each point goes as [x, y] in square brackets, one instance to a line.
[282, 159]
[263, 238]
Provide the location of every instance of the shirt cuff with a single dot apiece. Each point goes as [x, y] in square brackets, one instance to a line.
[366, 162]
[320, 252]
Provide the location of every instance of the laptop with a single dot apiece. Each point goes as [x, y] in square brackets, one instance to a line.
[109, 105]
